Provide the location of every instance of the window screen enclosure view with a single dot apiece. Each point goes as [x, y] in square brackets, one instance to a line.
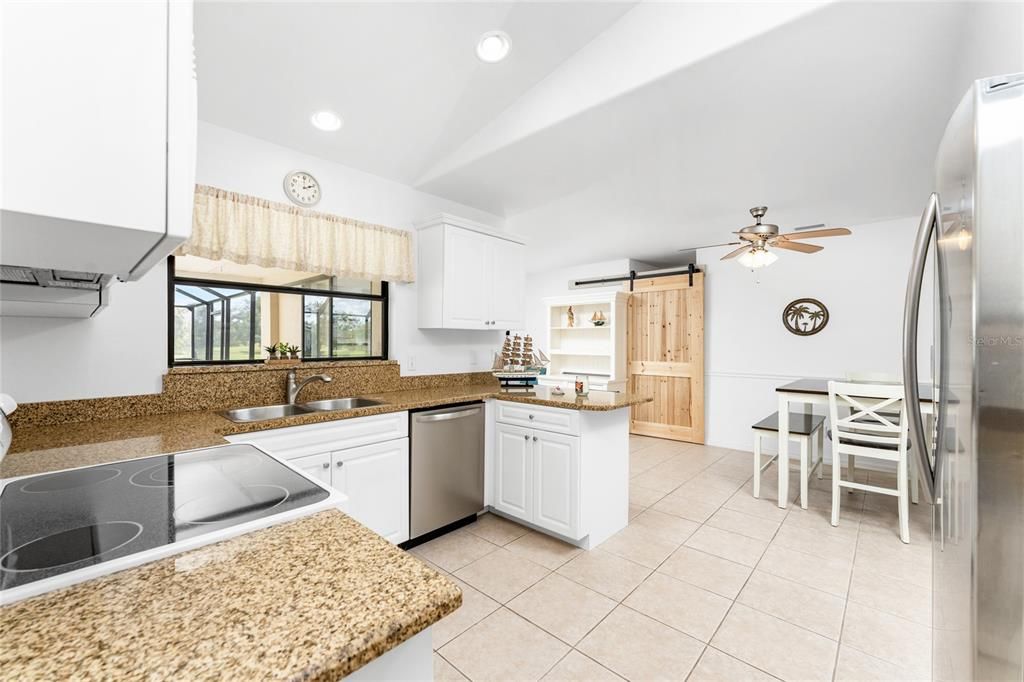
[223, 312]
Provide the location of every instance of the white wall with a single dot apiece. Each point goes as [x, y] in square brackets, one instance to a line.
[123, 350]
[748, 353]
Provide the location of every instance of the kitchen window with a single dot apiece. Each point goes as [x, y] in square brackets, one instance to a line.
[225, 313]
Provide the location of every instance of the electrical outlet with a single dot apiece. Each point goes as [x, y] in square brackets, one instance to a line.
[410, 363]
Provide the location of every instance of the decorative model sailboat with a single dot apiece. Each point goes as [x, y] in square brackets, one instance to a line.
[598, 319]
[517, 364]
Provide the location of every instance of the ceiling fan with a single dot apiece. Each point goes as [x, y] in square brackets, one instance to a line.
[756, 240]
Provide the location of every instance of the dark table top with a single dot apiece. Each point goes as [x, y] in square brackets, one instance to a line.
[820, 387]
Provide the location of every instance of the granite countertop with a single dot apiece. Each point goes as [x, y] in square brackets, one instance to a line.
[250, 607]
[254, 607]
[38, 449]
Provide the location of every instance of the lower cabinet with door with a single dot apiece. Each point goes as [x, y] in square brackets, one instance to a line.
[365, 458]
[562, 471]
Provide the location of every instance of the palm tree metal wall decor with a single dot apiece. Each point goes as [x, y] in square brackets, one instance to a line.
[805, 316]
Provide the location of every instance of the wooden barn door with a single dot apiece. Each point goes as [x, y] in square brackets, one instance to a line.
[665, 356]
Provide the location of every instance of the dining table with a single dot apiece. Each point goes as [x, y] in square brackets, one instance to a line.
[812, 392]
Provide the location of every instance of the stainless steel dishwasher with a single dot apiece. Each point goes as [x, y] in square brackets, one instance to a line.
[446, 467]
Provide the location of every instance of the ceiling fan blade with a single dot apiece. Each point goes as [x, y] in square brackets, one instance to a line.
[710, 246]
[815, 234]
[797, 246]
[733, 254]
[808, 227]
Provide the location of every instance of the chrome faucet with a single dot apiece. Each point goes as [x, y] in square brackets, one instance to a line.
[294, 388]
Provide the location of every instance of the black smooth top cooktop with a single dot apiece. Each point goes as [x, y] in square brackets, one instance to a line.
[56, 523]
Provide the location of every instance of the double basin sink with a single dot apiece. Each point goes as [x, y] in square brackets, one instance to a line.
[258, 414]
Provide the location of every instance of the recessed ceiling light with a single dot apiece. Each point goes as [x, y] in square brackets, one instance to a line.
[493, 46]
[326, 120]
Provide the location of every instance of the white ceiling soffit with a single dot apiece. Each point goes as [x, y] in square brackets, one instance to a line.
[404, 76]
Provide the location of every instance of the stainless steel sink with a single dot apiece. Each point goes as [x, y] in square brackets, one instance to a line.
[258, 414]
[340, 404]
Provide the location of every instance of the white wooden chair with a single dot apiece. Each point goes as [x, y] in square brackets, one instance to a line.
[870, 430]
[802, 430]
[870, 377]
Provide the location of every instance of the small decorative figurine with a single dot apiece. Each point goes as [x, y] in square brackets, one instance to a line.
[572, 318]
[598, 320]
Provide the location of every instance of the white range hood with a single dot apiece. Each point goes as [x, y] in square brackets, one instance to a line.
[37, 292]
[98, 131]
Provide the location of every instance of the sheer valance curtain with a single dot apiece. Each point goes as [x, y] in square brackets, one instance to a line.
[246, 229]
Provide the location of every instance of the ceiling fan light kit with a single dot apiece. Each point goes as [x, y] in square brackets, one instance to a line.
[757, 239]
[757, 258]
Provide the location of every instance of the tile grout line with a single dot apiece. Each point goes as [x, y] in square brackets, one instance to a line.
[621, 602]
[438, 653]
[650, 571]
[846, 602]
[705, 645]
[740, 591]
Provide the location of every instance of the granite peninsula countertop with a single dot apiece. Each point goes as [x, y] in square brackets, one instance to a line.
[252, 607]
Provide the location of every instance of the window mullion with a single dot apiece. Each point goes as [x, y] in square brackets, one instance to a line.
[330, 327]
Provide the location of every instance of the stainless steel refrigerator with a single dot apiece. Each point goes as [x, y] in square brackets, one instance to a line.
[972, 232]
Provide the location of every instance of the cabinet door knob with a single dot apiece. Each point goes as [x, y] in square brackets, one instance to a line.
[526, 437]
[340, 464]
[531, 416]
[535, 439]
[327, 465]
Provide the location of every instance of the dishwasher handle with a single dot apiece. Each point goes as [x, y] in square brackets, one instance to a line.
[445, 416]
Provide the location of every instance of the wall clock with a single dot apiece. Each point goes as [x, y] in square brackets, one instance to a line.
[805, 316]
[302, 188]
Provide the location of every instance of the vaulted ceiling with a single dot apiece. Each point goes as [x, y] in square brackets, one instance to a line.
[404, 76]
[616, 129]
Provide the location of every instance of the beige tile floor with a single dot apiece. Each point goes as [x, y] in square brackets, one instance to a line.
[706, 583]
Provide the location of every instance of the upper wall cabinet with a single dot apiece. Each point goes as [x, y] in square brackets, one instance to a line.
[98, 134]
[469, 276]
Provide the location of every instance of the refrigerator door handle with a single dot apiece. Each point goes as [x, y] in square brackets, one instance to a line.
[918, 442]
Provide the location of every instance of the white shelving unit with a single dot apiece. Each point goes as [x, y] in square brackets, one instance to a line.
[596, 351]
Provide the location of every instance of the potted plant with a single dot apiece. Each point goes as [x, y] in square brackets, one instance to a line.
[293, 351]
[271, 351]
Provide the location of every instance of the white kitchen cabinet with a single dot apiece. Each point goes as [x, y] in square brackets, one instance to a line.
[556, 419]
[469, 276]
[367, 459]
[375, 478]
[556, 482]
[537, 478]
[465, 298]
[315, 466]
[513, 460]
[559, 470]
[507, 270]
[98, 134]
